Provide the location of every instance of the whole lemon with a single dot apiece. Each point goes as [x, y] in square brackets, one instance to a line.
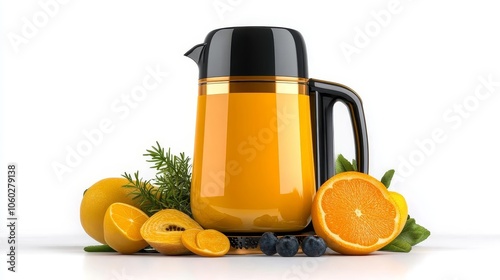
[96, 201]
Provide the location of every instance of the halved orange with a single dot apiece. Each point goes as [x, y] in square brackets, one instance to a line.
[122, 228]
[355, 214]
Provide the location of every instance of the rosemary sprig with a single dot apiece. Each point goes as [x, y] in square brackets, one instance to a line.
[172, 182]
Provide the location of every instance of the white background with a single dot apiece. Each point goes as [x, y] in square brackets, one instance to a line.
[423, 62]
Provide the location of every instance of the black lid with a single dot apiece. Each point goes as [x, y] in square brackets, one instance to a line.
[251, 51]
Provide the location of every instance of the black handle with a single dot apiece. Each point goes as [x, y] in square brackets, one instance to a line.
[323, 96]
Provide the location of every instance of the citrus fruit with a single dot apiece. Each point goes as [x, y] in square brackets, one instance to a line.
[355, 214]
[403, 208]
[96, 201]
[188, 238]
[163, 231]
[122, 228]
[207, 243]
[212, 243]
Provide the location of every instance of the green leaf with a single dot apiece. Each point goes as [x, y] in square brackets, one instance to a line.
[343, 165]
[397, 245]
[414, 233]
[387, 178]
[98, 248]
[411, 235]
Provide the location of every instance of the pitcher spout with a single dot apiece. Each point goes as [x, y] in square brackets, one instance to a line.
[195, 53]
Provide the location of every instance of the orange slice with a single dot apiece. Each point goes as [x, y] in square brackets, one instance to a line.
[122, 228]
[188, 239]
[355, 214]
[207, 243]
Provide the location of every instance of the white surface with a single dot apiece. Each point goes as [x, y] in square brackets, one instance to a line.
[414, 74]
[440, 257]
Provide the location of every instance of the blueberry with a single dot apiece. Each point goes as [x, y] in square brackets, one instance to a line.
[313, 246]
[287, 246]
[268, 243]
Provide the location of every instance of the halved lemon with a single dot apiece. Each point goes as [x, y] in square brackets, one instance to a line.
[122, 228]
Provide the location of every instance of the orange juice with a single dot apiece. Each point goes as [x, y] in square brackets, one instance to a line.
[253, 164]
